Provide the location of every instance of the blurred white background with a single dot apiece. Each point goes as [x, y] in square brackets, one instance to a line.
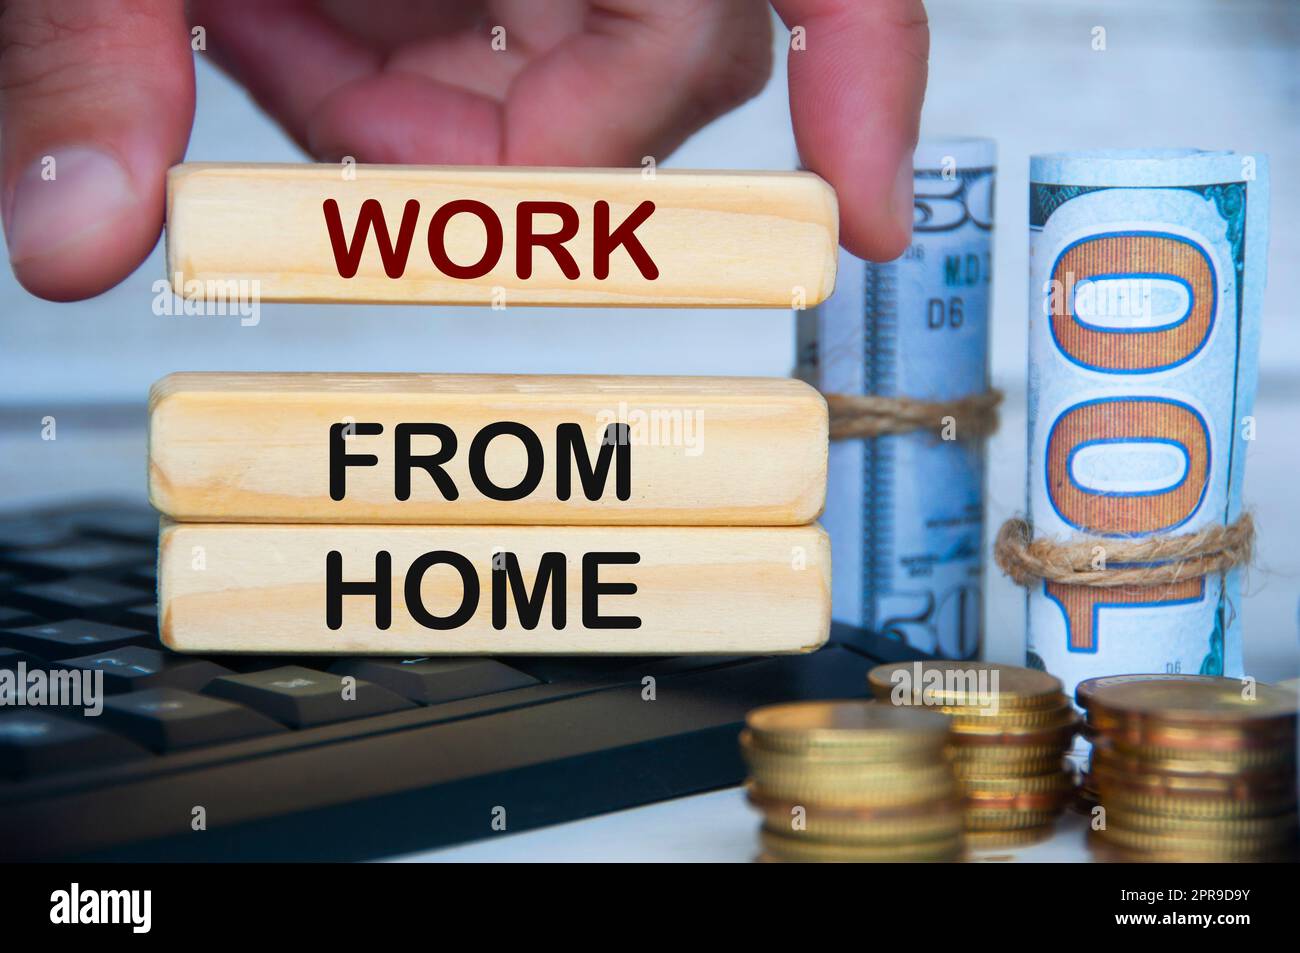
[1206, 73]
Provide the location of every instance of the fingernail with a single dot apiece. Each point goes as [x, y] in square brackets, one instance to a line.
[63, 196]
[901, 200]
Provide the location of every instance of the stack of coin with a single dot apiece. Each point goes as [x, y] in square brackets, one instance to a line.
[852, 781]
[1011, 730]
[1192, 767]
[1088, 794]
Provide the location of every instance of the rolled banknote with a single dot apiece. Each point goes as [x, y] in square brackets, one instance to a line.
[905, 511]
[1146, 274]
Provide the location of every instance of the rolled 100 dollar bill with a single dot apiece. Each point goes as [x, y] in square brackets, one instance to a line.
[904, 509]
[1146, 278]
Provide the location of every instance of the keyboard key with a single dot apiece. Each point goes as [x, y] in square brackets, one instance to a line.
[135, 667]
[143, 616]
[34, 742]
[58, 640]
[615, 669]
[10, 616]
[146, 577]
[167, 719]
[30, 532]
[432, 681]
[136, 524]
[302, 698]
[9, 659]
[87, 555]
[74, 596]
[242, 664]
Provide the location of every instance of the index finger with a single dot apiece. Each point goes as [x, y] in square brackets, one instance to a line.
[855, 99]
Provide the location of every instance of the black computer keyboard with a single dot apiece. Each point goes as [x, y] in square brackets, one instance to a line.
[261, 757]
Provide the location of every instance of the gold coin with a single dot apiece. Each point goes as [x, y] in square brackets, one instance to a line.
[890, 775]
[832, 826]
[1106, 850]
[1084, 691]
[805, 787]
[963, 684]
[1055, 782]
[1163, 843]
[1203, 702]
[1004, 753]
[1172, 761]
[1021, 837]
[1209, 760]
[860, 725]
[971, 772]
[984, 819]
[968, 720]
[1013, 717]
[802, 849]
[1227, 736]
[1276, 827]
[771, 805]
[1125, 797]
[1107, 768]
[1054, 802]
[838, 757]
[982, 735]
[868, 784]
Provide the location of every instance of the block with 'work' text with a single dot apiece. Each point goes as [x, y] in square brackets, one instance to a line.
[501, 236]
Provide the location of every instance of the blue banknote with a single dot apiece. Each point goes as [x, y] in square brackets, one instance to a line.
[905, 511]
[1146, 279]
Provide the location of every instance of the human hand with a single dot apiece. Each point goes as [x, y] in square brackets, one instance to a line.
[106, 88]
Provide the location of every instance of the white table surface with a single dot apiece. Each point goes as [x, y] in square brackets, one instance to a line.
[718, 827]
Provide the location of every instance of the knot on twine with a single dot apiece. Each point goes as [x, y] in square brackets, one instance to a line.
[1111, 563]
[868, 415]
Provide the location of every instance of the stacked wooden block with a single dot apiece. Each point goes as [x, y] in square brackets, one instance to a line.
[431, 514]
[437, 514]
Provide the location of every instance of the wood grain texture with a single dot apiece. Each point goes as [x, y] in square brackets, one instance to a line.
[703, 451]
[718, 239]
[240, 588]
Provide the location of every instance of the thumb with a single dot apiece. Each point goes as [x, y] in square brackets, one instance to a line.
[96, 101]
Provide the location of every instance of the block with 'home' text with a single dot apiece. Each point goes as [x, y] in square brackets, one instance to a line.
[431, 590]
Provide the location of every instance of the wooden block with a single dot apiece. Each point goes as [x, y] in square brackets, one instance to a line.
[695, 450]
[487, 236]
[242, 588]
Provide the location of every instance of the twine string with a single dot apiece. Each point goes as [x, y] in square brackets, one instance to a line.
[868, 415]
[1153, 561]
